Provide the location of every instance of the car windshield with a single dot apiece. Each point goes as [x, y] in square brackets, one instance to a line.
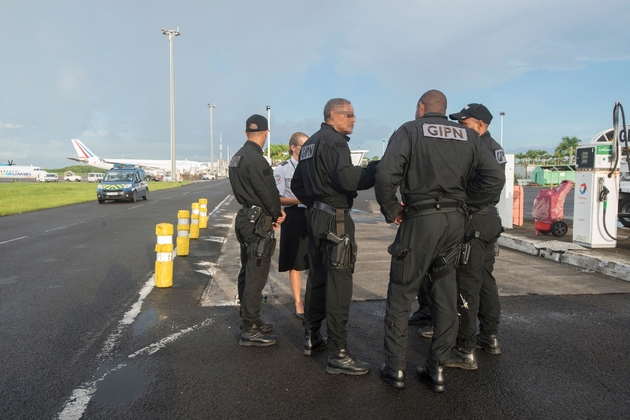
[118, 176]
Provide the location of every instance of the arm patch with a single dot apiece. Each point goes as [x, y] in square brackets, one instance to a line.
[307, 152]
[499, 154]
[267, 171]
[235, 161]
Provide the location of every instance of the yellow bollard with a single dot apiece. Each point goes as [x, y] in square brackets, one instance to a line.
[183, 234]
[203, 213]
[164, 261]
[194, 221]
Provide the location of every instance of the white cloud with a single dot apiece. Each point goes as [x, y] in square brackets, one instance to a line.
[9, 125]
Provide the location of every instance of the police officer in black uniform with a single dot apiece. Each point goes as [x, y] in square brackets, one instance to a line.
[438, 165]
[327, 182]
[255, 189]
[476, 286]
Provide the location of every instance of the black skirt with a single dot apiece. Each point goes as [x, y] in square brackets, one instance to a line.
[293, 240]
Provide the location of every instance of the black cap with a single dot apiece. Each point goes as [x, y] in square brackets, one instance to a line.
[256, 123]
[476, 111]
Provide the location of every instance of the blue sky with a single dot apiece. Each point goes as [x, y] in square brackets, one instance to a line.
[99, 70]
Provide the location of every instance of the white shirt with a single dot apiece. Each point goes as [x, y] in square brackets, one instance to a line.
[283, 175]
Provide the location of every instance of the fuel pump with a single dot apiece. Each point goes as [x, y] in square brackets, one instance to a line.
[597, 190]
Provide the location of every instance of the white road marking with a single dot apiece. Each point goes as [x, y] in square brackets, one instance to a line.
[12, 240]
[219, 239]
[206, 263]
[62, 227]
[78, 401]
[210, 272]
[155, 347]
[128, 318]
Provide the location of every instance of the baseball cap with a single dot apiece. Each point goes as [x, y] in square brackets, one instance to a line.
[476, 111]
[256, 123]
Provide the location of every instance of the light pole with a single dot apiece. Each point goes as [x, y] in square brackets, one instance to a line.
[172, 34]
[269, 133]
[211, 106]
[502, 114]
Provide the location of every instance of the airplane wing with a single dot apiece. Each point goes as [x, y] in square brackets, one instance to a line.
[82, 160]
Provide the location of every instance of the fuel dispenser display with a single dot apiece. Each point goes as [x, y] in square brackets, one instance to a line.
[597, 188]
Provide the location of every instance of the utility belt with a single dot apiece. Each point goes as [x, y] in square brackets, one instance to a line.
[340, 252]
[432, 207]
[265, 246]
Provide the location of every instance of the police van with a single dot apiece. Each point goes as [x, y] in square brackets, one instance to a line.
[123, 182]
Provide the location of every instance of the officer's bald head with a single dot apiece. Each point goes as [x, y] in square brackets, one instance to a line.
[432, 101]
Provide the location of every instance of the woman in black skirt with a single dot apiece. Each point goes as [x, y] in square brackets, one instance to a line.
[293, 236]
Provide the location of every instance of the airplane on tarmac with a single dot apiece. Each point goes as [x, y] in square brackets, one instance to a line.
[21, 173]
[86, 156]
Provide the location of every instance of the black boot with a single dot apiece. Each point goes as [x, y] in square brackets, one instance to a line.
[422, 315]
[253, 336]
[313, 342]
[426, 332]
[489, 343]
[432, 373]
[342, 361]
[462, 358]
[264, 328]
[395, 378]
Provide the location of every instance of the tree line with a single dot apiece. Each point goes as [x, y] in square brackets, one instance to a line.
[563, 155]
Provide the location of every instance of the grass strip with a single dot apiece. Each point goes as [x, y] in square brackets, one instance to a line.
[20, 197]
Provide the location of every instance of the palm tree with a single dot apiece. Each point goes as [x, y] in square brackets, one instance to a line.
[567, 147]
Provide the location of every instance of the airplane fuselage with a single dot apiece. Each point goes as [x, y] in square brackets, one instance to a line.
[18, 173]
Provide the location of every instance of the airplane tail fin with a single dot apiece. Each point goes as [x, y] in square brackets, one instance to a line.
[82, 150]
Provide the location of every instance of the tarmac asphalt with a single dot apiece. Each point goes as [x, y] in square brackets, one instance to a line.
[563, 330]
[552, 322]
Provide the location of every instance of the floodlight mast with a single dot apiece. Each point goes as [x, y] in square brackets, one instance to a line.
[502, 114]
[172, 34]
[269, 134]
[211, 106]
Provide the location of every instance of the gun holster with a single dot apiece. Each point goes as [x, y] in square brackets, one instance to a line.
[262, 222]
[442, 266]
[266, 246]
[340, 252]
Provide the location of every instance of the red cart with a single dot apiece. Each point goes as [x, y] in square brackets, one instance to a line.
[548, 210]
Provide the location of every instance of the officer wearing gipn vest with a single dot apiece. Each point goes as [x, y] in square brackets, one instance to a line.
[255, 189]
[476, 286]
[438, 166]
[327, 182]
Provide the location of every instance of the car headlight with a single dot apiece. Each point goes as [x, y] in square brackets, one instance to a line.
[127, 186]
[99, 187]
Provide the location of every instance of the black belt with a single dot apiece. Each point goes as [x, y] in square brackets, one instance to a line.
[338, 213]
[430, 207]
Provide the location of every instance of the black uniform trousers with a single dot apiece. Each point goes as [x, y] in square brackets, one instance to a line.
[476, 286]
[328, 289]
[253, 274]
[418, 243]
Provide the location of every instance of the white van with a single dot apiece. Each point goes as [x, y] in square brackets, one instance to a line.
[95, 177]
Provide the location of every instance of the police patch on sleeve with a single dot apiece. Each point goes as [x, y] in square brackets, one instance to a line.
[278, 179]
[307, 152]
[500, 155]
[235, 161]
[447, 132]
